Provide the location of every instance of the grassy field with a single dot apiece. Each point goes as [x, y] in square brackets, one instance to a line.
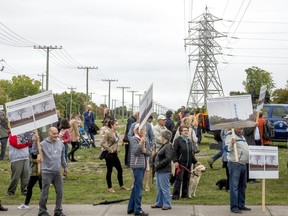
[86, 182]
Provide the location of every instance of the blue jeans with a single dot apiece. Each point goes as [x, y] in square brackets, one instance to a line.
[163, 189]
[136, 193]
[220, 152]
[66, 152]
[237, 185]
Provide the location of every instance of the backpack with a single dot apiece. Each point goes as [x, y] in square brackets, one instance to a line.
[268, 130]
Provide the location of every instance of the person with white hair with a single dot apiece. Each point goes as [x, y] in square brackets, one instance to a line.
[138, 164]
[158, 129]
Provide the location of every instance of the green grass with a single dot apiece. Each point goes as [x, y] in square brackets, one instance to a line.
[86, 182]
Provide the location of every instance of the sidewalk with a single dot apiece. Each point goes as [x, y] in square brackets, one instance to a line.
[119, 210]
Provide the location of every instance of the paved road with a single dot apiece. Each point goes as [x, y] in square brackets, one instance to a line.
[119, 210]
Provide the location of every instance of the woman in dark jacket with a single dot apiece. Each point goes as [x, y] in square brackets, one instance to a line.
[163, 170]
[183, 159]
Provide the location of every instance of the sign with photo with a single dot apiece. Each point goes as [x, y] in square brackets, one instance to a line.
[263, 162]
[31, 112]
[146, 106]
[230, 112]
[261, 98]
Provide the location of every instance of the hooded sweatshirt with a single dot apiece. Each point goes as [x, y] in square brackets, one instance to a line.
[53, 156]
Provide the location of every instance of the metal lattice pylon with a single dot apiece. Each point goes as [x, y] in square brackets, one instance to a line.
[206, 81]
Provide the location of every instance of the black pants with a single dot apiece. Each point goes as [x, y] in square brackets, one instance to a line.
[127, 155]
[225, 165]
[31, 183]
[182, 178]
[112, 160]
[75, 147]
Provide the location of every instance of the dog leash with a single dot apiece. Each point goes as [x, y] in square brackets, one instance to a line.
[192, 173]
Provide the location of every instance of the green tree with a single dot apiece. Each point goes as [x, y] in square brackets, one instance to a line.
[257, 77]
[280, 96]
[234, 93]
[4, 97]
[22, 86]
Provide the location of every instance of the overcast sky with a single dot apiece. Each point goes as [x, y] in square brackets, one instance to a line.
[140, 43]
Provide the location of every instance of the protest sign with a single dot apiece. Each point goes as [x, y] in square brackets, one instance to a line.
[263, 162]
[32, 112]
[261, 99]
[230, 112]
[146, 106]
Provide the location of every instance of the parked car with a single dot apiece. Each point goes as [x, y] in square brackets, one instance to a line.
[276, 114]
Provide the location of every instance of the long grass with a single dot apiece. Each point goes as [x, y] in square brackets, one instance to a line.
[86, 183]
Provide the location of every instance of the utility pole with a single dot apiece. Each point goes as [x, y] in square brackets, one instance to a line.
[71, 90]
[132, 100]
[48, 49]
[87, 76]
[206, 81]
[123, 88]
[113, 106]
[105, 96]
[91, 93]
[42, 81]
[109, 95]
[139, 97]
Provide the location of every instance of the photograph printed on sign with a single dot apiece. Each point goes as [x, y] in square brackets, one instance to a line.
[230, 112]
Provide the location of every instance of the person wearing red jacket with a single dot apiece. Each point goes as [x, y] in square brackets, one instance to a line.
[261, 122]
[19, 157]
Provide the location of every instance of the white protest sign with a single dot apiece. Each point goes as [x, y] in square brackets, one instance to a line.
[32, 112]
[263, 162]
[230, 112]
[262, 95]
[146, 106]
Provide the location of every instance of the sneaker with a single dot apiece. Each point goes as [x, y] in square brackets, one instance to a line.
[58, 213]
[142, 213]
[123, 187]
[111, 190]
[23, 207]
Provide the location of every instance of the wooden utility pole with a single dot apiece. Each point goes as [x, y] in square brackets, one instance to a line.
[48, 49]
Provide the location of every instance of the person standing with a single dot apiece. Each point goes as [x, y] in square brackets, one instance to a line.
[169, 124]
[237, 170]
[89, 119]
[65, 135]
[75, 136]
[183, 159]
[261, 121]
[53, 158]
[158, 129]
[138, 164]
[4, 134]
[19, 157]
[163, 170]
[199, 117]
[35, 176]
[130, 121]
[110, 142]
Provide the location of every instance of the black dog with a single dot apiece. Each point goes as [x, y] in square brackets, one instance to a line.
[221, 183]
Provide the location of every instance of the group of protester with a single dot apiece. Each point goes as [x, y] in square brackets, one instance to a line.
[155, 146]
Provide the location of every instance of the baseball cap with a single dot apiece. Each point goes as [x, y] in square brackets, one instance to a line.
[162, 117]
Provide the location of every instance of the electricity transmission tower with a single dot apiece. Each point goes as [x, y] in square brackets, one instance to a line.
[206, 81]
